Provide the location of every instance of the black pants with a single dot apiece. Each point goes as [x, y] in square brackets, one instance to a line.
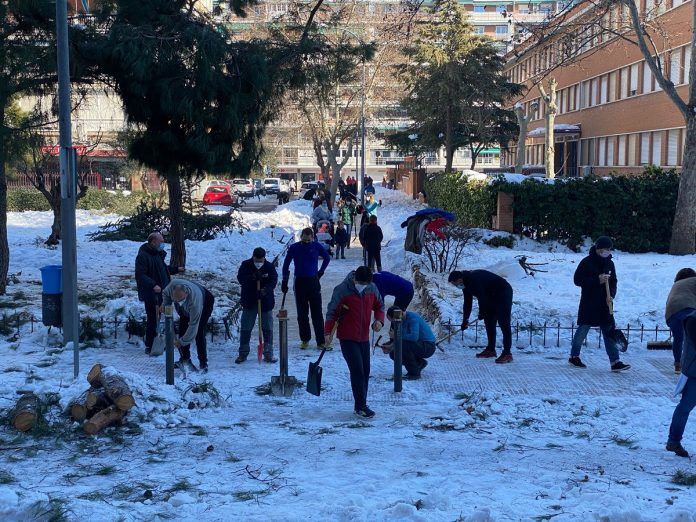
[308, 299]
[340, 250]
[357, 356]
[201, 343]
[374, 257]
[403, 301]
[150, 322]
[500, 315]
[413, 355]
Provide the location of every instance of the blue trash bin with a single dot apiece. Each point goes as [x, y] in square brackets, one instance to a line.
[52, 279]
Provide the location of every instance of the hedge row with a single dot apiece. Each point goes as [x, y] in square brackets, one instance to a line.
[23, 199]
[636, 211]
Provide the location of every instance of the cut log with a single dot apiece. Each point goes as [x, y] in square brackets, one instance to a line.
[77, 408]
[114, 384]
[107, 417]
[97, 400]
[27, 412]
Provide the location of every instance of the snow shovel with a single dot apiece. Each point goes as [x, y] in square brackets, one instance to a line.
[259, 351]
[314, 372]
[158, 343]
[616, 334]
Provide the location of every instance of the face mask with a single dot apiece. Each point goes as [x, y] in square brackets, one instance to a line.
[604, 254]
[460, 286]
[258, 266]
[360, 287]
[161, 248]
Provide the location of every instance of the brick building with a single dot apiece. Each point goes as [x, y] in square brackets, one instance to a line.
[612, 117]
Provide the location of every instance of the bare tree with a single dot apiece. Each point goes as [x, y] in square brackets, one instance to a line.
[550, 111]
[523, 123]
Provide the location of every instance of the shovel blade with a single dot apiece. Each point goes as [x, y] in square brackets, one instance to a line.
[283, 387]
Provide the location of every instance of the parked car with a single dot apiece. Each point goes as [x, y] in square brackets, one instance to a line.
[220, 195]
[305, 187]
[244, 187]
[271, 185]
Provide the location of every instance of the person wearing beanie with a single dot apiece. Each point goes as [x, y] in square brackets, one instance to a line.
[592, 275]
[494, 296]
[417, 343]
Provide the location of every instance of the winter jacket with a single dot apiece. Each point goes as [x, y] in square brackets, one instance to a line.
[371, 208]
[415, 329]
[593, 310]
[309, 195]
[371, 237]
[347, 214]
[490, 290]
[688, 358]
[354, 322]
[368, 189]
[321, 214]
[341, 236]
[191, 307]
[151, 271]
[682, 295]
[306, 257]
[391, 284]
[248, 275]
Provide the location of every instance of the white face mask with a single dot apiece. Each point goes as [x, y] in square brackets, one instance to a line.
[258, 265]
[360, 287]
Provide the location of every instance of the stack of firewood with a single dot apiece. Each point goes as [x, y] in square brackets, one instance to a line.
[105, 403]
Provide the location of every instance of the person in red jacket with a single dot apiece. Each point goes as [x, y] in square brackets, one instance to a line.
[352, 304]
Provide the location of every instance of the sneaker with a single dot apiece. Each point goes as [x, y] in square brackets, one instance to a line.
[575, 361]
[204, 368]
[240, 359]
[304, 345]
[618, 366]
[486, 354]
[325, 346]
[148, 349]
[365, 412]
[677, 368]
[677, 448]
[269, 359]
[343, 257]
[411, 376]
[423, 364]
[505, 357]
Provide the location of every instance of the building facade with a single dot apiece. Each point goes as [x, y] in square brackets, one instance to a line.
[613, 117]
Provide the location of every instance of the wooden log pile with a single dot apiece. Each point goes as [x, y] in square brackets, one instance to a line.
[105, 403]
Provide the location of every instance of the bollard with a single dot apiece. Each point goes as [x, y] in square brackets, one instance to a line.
[283, 385]
[169, 343]
[398, 353]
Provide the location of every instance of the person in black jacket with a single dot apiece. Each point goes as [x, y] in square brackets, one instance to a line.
[252, 273]
[341, 237]
[151, 276]
[591, 276]
[494, 296]
[371, 239]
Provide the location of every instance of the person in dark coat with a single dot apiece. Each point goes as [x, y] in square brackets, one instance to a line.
[253, 273]
[680, 303]
[151, 276]
[494, 295]
[341, 237]
[398, 287]
[686, 387]
[371, 239]
[591, 276]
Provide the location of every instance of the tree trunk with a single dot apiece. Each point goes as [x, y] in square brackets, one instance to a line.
[449, 148]
[87, 404]
[176, 216]
[108, 417]
[522, 121]
[114, 384]
[54, 238]
[27, 412]
[4, 247]
[684, 225]
[550, 152]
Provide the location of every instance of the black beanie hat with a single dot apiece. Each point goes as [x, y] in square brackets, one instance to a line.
[604, 242]
[455, 276]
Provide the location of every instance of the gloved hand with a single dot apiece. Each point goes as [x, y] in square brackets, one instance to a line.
[284, 286]
[465, 325]
[320, 274]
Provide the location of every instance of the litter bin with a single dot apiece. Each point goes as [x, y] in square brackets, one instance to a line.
[52, 295]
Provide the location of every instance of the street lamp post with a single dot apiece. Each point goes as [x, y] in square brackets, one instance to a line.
[362, 132]
[68, 180]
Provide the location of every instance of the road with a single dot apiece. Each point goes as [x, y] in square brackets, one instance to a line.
[265, 204]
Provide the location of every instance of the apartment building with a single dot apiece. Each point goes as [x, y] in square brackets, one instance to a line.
[612, 115]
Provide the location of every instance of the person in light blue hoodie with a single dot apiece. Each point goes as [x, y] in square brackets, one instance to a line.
[417, 343]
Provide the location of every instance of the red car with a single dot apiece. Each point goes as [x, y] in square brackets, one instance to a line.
[220, 195]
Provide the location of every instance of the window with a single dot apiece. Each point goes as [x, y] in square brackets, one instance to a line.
[623, 93]
[657, 148]
[603, 90]
[633, 85]
[675, 66]
[687, 63]
[621, 160]
[501, 29]
[644, 148]
[593, 96]
[479, 29]
[479, 9]
[501, 8]
[612, 86]
[602, 152]
[611, 140]
[585, 94]
[673, 148]
[647, 79]
[632, 148]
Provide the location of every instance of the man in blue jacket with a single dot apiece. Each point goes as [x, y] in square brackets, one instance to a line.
[398, 287]
[417, 343]
[305, 255]
[687, 384]
[254, 273]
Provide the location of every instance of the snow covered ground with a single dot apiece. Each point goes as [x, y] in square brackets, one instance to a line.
[533, 440]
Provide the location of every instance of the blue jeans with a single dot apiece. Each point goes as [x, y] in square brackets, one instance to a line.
[676, 324]
[681, 412]
[609, 344]
[247, 323]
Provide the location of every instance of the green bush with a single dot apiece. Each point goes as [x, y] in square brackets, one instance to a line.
[636, 211]
[473, 202]
[501, 241]
[23, 199]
